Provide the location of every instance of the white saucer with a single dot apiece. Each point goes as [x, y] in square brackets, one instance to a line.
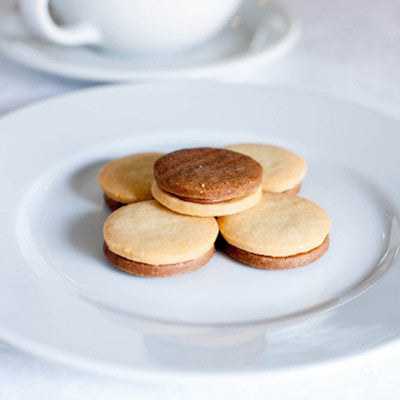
[61, 299]
[259, 33]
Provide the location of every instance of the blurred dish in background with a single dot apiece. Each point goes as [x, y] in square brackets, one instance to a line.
[259, 33]
[128, 26]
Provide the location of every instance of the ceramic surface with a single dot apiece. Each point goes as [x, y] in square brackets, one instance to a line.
[128, 26]
[258, 34]
[60, 298]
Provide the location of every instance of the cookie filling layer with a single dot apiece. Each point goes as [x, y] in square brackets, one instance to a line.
[294, 190]
[268, 262]
[149, 270]
[204, 201]
[112, 204]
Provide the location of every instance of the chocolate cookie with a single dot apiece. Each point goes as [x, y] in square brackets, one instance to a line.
[283, 170]
[268, 262]
[282, 231]
[147, 239]
[207, 181]
[128, 179]
[156, 271]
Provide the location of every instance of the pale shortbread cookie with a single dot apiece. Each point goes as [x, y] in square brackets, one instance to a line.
[128, 179]
[205, 210]
[280, 225]
[282, 169]
[149, 233]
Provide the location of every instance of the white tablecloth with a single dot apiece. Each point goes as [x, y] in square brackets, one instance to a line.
[349, 49]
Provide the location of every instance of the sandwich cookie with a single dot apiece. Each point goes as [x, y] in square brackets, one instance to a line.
[147, 239]
[207, 181]
[128, 179]
[282, 231]
[283, 170]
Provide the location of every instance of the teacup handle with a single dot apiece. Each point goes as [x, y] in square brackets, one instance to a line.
[36, 14]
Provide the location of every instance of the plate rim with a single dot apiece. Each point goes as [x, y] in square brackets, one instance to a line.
[60, 357]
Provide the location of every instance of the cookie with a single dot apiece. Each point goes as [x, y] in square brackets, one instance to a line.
[283, 170]
[128, 179]
[147, 239]
[282, 231]
[207, 181]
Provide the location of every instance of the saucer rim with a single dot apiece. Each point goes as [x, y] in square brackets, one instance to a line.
[31, 57]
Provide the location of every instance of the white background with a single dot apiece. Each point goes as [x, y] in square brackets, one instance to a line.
[349, 49]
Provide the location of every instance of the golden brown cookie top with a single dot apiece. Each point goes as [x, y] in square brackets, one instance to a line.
[207, 173]
[149, 233]
[128, 179]
[282, 169]
[280, 225]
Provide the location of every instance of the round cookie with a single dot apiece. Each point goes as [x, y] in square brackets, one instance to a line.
[283, 170]
[282, 231]
[128, 179]
[147, 239]
[207, 181]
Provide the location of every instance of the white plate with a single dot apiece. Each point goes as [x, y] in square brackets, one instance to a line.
[259, 33]
[60, 299]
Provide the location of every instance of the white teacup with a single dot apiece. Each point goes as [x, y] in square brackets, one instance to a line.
[128, 25]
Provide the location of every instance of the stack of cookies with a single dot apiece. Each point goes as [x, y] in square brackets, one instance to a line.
[169, 210]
